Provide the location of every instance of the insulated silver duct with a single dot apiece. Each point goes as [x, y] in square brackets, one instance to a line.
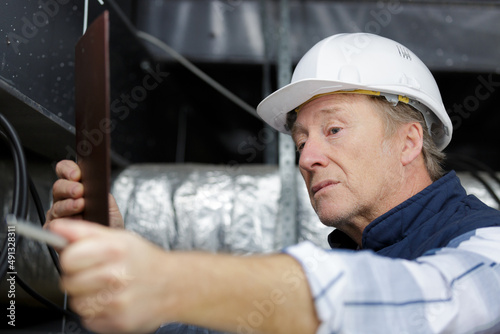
[188, 207]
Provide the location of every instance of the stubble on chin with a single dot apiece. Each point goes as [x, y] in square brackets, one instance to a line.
[340, 219]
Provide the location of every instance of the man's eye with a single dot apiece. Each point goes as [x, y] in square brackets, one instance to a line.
[334, 131]
[300, 147]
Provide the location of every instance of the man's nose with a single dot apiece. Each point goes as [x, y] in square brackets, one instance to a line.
[313, 155]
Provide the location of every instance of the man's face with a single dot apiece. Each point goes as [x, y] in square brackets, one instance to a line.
[351, 170]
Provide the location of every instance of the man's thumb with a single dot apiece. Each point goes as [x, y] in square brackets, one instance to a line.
[74, 230]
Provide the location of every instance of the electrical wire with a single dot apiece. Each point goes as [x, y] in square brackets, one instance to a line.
[20, 199]
[85, 15]
[20, 196]
[43, 300]
[198, 72]
[41, 217]
[473, 166]
[478, 165]
[22, 182]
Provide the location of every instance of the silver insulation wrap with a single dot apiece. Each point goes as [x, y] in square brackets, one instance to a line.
[210, 208]
[188, 207]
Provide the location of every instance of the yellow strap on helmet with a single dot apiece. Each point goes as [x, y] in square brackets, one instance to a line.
[401, 98]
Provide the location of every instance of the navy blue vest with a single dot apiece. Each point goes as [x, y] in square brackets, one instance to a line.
[428, 220]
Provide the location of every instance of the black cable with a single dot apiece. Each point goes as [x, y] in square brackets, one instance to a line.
[20, 197]
[473, 171]
[20, 200]
[53, 255]
[475, 163]
[487, 186]
[22, 183]
[42, 299]
[41, 217]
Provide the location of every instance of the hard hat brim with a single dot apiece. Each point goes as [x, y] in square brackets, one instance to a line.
[273, 109]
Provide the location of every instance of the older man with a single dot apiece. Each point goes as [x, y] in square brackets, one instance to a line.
[368, 121]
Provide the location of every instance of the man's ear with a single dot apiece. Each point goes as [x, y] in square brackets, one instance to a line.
[413, 137]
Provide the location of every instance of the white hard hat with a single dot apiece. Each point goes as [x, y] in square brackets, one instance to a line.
[362, 63]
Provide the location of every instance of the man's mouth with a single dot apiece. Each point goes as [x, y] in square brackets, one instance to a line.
[322, 185]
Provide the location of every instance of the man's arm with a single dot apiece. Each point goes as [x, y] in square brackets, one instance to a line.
[454, 289]
[119, 282]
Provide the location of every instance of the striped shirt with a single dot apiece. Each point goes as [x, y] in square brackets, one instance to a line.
[453, 289]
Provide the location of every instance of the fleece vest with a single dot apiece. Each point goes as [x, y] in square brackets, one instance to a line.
[428, 220]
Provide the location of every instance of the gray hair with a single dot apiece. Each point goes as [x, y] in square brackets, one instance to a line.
[394, 117]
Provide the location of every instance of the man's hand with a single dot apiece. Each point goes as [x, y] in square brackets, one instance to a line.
[68, 196]
[113, 277]
[119, 282]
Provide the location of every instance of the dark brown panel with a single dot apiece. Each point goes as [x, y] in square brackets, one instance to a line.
[93, 127]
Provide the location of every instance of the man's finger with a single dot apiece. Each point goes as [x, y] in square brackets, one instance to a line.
[67, 169]
[100, 277]
[88, 244]
[87, 256]
[74, 230]
[66, 208]
[63, 189]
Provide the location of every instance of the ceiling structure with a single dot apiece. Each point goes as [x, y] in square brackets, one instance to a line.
[236, 43]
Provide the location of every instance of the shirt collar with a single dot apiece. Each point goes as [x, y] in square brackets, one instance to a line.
[398, 222]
